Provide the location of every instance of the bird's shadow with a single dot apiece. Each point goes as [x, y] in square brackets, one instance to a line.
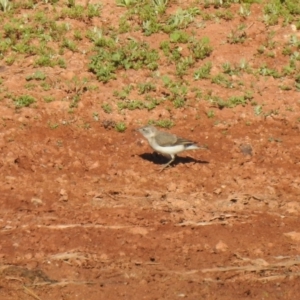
[159, 159]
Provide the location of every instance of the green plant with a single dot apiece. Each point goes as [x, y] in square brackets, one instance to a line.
[74, 101]
[226, 15]
[49, 99]
[146, 87]
[151, 102]
[80, 12]
[130, 55]
[23, 101]
[130, 104]
[297, 82]
[177, 90]
[93, 10]
[200, 48]
[53, 125]
[203, 72]
[181, 19]
[244, 10]
[96, 116]
[183, 65]
[37, 75]
[160, 5]
[222, 80]
[238, 35]
[77, 35]
[126, 3]
[165, 123]
[120, 126]
[271, 13]
[210, 114]
[107, 108]
[10, 60]
[30, 86]
[5, 5]
[258, 110]
[71, 45]
[124, 92]
[265, 71]
[179, 36]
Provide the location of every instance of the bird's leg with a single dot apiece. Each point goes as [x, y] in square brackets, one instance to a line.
[167, 164]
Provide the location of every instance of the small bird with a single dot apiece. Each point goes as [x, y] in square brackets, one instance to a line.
[166, 143]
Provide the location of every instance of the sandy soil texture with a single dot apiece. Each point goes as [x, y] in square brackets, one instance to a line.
[85, 214]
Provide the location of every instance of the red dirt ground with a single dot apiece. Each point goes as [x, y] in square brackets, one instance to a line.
[85, 214]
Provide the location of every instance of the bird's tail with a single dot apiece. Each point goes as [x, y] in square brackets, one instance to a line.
[194, 147]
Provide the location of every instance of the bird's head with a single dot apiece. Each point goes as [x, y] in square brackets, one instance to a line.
[147, 131]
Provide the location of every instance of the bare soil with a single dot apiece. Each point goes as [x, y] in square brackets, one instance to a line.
[85, 214]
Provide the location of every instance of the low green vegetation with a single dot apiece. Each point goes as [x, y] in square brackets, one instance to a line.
[23, 101]
[160, 52]
[120, 127]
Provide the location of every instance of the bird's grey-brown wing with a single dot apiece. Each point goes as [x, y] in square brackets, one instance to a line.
[182, 141]
[165, 139]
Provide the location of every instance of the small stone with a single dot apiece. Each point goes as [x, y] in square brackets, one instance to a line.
[28, 256]
[37, 201]
[95, 165]
[64, 195]
[218, 191]
[295, 236]
[292, 207]
[221, 247]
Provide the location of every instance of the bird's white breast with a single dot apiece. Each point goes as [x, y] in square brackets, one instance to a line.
[166, 149]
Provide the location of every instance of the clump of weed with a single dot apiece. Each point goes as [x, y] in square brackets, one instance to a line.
[120, 127]
[23, 101]
[128, 55]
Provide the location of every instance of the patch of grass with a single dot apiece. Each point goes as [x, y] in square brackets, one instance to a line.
[225, 14]
[120, 127]
[80, 12]
[107, 108]
[74, 101]
[222, 80]
[245, 10]
[37, 75]
[200, 48]
[10, 60]
[48, 99]
[179, 36]
[5, 5]
[237, 36]
[203, 72]
[53, 125]
[69, 44]
[181, 19]
[265, 71]
[210, 114]
[23, 101]
[128, 55]
[123, 94]
[131, 104]
[178, 92]
[160, 6]
[146, 87]
[165, 123]
[126, 3]
[258, 110]
[183, 65]
[30, 86]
